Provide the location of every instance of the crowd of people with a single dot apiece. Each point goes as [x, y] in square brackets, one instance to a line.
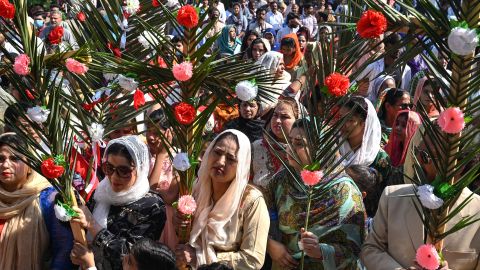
[250, 211]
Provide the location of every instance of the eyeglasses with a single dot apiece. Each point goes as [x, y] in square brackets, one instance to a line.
[424, 156]
[406, 106]
[122, 171]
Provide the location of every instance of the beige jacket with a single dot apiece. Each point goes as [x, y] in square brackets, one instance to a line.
[397, 233]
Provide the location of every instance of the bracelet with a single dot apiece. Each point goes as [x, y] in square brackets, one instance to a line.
[298, 80]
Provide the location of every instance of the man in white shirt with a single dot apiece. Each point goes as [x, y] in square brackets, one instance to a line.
[274, 16]
[293, 23]
[260, 25]
[309, 20]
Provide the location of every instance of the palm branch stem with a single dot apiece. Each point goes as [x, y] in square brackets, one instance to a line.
[302, 260]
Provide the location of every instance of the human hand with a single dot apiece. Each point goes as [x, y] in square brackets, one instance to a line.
[185, 255]
[280, 255]
[86, 220]
[310, 244]
[82, 255]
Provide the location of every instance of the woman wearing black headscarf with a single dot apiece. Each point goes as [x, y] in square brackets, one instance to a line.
[249, 121]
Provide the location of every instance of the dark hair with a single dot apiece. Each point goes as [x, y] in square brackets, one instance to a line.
[228, 135]
[215, 266]
[245, 38]
[256, 41]
[368, 180]
[259, 10]
[291, 16]
[301, 123]
[176, 39]
[236, 4]
[212, 9]
[152, 255]
[12, 140]
[158, 117]
[358, 105]
[304, 31]
[391, 97]
[121, 150]
[289, 42]
[12, 115]
[323, 15]
[392, 39]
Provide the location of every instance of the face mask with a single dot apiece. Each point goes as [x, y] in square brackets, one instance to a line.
[38, 23]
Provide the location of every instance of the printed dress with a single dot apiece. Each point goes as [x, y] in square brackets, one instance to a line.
[338, 219]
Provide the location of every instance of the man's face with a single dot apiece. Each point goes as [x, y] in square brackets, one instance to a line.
[293, 23]
[274, 6]
[55, 19]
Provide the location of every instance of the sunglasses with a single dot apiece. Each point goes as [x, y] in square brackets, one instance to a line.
[122, 171]
[424, 156]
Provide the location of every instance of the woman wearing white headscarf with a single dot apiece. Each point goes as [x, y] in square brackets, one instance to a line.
[124, 211]
[362, 134]
[273, 61]
[231, 222]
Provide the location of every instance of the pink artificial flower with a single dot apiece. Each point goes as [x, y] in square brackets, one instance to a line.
[451, 120]
[183, 71]
[311, 178]
[427, 257]
[76, 67]
[187, 205]
[21, 65]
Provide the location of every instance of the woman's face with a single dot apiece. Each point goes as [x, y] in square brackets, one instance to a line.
[121, 173]
[427, 97]
[248, 110]
[232, 33]
[121, 132]
[403, 103]
[299, 149]
[236, 9]
[179, 46]
[295, 8]
[13, 172]
[303, 41]
[258, 50]
[354, 126]
[250, 39]
[222, 161]
[287, 51]
[401, 126]
[280, 68]
[282, 119]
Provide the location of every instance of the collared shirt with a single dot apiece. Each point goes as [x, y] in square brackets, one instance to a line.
[275, 19]
[285, 31]
[260, 28]
[310, 22]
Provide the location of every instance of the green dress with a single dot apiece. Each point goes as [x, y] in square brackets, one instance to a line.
[338, 219]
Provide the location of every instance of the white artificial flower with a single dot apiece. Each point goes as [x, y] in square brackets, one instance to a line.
[462, 41]
[96, 132]
[98, 95]
[210, 124]
[146, 39]
[181, 162]
[61, 213]
[427, 198]
[246, 90]
[132, 6]
[38, 114]
[109, 76]
[127, 83]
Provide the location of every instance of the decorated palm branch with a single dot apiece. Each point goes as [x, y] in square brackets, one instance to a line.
[453, 144]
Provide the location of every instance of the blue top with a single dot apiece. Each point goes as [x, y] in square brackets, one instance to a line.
[60, 234]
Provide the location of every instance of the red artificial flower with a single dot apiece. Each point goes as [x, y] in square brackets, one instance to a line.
[81, 16]
[116, 51]
[337, 84]
[138, 99]
[155, 3]
[187, 16]
[7, 9]
[372, 24]
[55, 36]
[50, 169]
[29, 94]
[88, 106]
[184, 113]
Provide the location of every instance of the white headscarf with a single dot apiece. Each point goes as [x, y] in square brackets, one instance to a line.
[105, 196]
[270, 61]
[372, 136]
[218, 223]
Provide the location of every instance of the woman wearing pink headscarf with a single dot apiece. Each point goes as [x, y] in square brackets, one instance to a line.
[405, 125]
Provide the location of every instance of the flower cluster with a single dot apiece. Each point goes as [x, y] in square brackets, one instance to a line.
[183, 71]
[50, 168]
[372, 24]
[55, 36]
[463, 41]
[181, 162]
[138, 99]
[246, 90]
[451, 120]
[132, 6]
[7, 9]
[22, 65]
[187, 16]
[187, 205]
[337, 84]
[127, 83]
[76, 67]
[428, 198]
[428, 257]
[311, 178]
[38, 114]
[184, 113]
